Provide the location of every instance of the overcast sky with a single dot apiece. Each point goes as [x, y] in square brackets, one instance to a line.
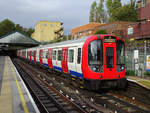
[27, 13]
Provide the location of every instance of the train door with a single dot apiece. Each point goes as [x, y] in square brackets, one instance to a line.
[44, 58]
[110, 60]
[34, 55]
[49, 58]
[30, 56]
[54, 60]
[27, 55]
[59, 54]
[41, 56]
[72, 61]
[37, 56]
[79, 61]
[64, 60]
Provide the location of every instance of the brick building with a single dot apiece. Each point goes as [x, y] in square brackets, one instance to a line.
[115, 28]
[141, 29]
[85, 30]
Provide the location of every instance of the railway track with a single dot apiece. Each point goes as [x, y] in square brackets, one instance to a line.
[136, 92]
[47, 98]
[98, 101]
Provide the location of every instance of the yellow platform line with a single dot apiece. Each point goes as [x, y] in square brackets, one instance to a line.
[20, 91]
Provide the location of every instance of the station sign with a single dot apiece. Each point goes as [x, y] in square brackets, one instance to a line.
[148, 63]
[136, 54]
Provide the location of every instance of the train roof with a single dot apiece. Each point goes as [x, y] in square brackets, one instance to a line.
[64, 43]
[72, 42]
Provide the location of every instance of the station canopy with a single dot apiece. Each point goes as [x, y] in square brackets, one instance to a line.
[16, 40]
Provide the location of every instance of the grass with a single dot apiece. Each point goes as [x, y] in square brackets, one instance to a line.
[145, 83]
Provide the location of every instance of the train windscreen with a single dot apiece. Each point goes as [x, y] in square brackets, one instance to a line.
[120, 48]
[95, 56]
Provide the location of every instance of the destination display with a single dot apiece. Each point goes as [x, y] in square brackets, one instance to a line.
[109, 39]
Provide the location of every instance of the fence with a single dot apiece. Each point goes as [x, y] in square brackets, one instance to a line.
[138, 65]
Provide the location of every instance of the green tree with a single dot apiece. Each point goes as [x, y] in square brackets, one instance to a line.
[29, 32]
[18, 27]
[93, 12]
[97, 12]
[101, 32]
[126, 13]
[6, 26]
[113, 7]
[115, 11]
[109, 5]
[101, 12]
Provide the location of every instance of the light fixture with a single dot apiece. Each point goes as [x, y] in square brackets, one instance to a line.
[148, 20]
[129, 26]
[118, 76]
[101, 76]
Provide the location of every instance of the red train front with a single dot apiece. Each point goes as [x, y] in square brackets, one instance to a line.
[103, 62]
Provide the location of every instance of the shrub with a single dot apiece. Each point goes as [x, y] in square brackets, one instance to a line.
[130, 72]
[101, 32]
[147, 73]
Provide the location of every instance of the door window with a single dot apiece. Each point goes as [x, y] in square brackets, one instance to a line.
[71, 55]
[54, 55]
[79, 56]
[59, 55]
[110, 57]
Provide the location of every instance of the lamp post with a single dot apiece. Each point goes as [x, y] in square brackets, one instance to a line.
[145, 55]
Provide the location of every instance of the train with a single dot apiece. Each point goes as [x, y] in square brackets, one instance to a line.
[96, 61]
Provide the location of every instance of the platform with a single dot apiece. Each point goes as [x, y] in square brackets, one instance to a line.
[14, 96]
[141, 81]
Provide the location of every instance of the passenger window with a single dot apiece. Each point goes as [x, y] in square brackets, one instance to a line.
[47, 56]
[71, 55]
[44, 54]
[79, 56]
[54, 55]
[32, 53]
[59, 55]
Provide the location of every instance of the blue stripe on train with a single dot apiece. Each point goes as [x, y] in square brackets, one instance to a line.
[32, 61]
[76, 73]
[70, 71]
[46, 65]
[57, 68]
[38, 62]
[60, 69]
